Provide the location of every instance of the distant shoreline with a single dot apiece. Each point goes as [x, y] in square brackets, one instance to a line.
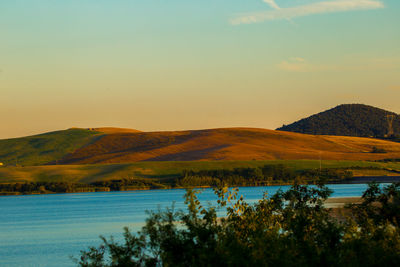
[369, 179]
[354, 180]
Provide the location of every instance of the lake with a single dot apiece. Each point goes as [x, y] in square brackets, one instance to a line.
[45, 230]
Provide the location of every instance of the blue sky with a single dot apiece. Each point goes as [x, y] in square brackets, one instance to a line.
[169, 65]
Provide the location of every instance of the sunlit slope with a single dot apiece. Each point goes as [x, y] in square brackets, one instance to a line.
[228, 144]
[44, 148]
[167, 169]
[115, 145]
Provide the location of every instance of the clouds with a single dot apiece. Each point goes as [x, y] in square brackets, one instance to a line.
[272, 4]
[320, 7]
[298, 64]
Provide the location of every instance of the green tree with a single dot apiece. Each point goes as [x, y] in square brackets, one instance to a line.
[289, 228]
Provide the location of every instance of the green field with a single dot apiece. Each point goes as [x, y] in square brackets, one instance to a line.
[167, 170]
[44, 148]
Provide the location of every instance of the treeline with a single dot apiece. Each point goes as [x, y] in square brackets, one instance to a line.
[131, 184]
[388, 160]
[65, 187]
[46, 188]
[260, 176]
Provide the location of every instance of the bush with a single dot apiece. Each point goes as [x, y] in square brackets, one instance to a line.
[290, 228]
[378, 150]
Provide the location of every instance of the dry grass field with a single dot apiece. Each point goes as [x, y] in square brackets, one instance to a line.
[160, 170]
[122, 146]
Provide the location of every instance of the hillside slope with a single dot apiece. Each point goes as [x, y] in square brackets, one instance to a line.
[228, 144]
[90, 146]
[347, 120]
[44, 148]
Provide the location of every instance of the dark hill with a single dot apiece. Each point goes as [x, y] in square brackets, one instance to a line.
[347, 120]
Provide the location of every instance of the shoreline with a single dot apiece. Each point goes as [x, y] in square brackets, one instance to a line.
[330, 203]
[355, 180]
[90, 189]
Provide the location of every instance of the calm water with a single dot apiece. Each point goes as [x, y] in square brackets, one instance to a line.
[44, 230]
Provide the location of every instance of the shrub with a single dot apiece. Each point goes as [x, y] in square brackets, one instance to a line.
[290, 228]
[378, 150]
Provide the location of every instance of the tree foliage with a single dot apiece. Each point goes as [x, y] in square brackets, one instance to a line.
[290, 228]
[255, 176]
[260, 176]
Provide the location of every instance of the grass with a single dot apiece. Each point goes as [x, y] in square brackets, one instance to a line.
[82, 146]
[163, 170]
[44, 148]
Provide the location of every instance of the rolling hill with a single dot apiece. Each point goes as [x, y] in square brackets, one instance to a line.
[99, 146]
[348, 120]
[44, 148]
[228, 144]
[50, 147]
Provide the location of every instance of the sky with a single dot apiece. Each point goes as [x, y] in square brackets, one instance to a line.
[158, 65]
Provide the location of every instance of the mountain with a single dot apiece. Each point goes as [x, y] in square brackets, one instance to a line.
[91, 146]
[348, 120]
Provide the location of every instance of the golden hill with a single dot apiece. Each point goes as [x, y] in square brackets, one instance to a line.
[225, 144]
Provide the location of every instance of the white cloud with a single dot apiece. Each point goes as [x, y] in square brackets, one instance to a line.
[293, 66]
[296, 64]
[305, 10]
[272, 4]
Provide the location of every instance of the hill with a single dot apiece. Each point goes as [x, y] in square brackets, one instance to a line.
[88, 146]
[44, 148]
[348, 120]
[228, 144]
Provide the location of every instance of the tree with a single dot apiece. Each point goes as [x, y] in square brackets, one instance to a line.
[289, 228]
